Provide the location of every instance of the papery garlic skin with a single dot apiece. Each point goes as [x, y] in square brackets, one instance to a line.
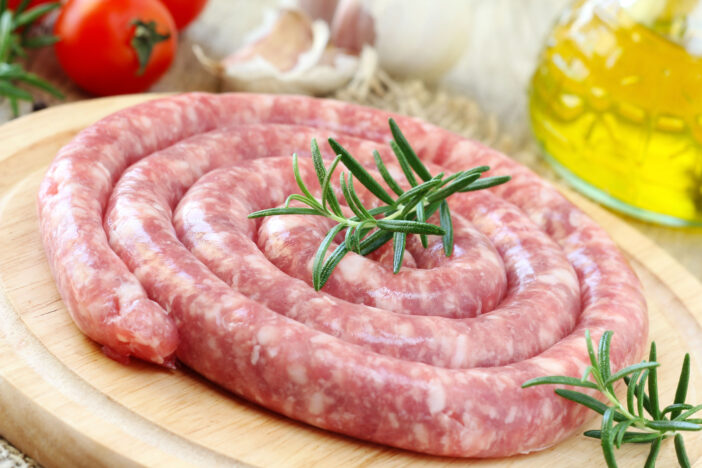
[259, 66]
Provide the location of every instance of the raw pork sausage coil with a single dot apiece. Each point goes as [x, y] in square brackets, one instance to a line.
[144, 220]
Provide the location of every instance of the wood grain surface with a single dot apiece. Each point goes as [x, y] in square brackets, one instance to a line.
[65, 403]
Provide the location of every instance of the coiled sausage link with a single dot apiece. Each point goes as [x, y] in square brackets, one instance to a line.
[156, 298]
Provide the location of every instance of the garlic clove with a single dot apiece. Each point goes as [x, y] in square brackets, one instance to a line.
[287, 37]
[352, 26]
[289, 54]
[319, 9]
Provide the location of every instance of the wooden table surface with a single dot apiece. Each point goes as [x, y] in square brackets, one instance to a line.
[505, 40]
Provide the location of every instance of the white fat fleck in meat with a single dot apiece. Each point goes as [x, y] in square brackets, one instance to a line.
[277, 228]
[436, 399]
[255, 354]
[552, 366]
[321, 339]
[459, 353]
[352, 268]
[405, 329]
[145, 122]
[127, 292]
[297, 373]
[316, 404]
[131, 227]
[420, 433]
[266, 335]
[574, 218]
[511, 415]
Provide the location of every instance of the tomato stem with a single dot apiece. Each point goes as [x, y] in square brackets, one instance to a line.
[144, 40]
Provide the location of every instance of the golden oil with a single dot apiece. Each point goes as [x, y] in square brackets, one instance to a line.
[616, 103]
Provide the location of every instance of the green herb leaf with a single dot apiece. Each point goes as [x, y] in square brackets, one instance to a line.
[328, 195]
[587, 400]
[689, 413]
[404, 165]
[620, 430]
[414, 227]
[284, 211]
[674, 425]
[318, 162]
[385, 174]
[456, 186]
[675, 407]
[447, 225]
[34, 80]
[630, 370]
[398, 240]
[653, 453]
[318, 262]
[680, 452]
[419, 211]
[409, 153]
[559, 380]
[5, 35]
[603, 356]
[360, 172]
[332, 261]
[629, 437]
[350, 241]
[415, 194]
[36, 42]
[653, 385]
[590, 349]
[640, 392]
[300, 182]
[683, 382]
[631, 391]
[33, 14]
[486, 183]
[607, 438]
[349, 198]
[8, 90]
[375, 241]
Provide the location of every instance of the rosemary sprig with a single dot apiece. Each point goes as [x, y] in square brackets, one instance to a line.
[14, 39]
[369, 229]
[627, 422]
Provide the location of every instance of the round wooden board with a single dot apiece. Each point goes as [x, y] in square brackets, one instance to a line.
[65, 403]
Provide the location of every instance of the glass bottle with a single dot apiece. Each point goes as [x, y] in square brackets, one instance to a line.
[616, 104]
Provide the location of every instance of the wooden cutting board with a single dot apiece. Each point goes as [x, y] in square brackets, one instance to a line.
[66, 404]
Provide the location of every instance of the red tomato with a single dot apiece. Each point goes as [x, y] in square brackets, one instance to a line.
[184, 11]
[96, 47]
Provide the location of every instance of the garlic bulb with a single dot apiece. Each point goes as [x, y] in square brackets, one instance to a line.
[289, 53]
[417, 38]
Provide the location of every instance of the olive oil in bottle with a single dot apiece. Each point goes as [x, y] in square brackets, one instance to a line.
[616, 103]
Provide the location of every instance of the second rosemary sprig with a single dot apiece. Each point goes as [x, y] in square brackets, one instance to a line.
[638, 420]
[395, 218]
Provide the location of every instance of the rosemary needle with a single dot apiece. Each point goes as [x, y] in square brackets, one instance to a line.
[394, 219]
